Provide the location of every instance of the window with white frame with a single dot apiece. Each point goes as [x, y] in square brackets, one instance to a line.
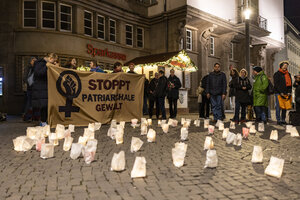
[189, 40]
[88, 23]
[112, 30]
[231, 51]
[128, 34]
[29, 14]
[212, 46]
[48, 15]
[101, 27]
[140, 37]
[65, 17]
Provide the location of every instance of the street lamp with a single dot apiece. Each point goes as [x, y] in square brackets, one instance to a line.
[247, 14]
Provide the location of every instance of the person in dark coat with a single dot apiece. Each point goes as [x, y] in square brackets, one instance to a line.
[40, 85]
[242, 86]
[216, 91]
[153, 97]
[234, 74]
[173, 93]
[297, 92]
[146, 92]
[161, 92]
[204, 109]
[283, 87]
[71, 64]
[28, 111]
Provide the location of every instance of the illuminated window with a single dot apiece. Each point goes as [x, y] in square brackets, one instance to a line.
[101, 27]
[48, 15]
[128, 32]
[88, 23]
[140, 37]
[65, 17]
[189, 40]
[212, 46]
[29, 14]
[112, 30]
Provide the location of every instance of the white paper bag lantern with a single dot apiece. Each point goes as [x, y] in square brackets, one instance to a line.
[122, 123]
[47, 151]
[151, 135]
[184, 133]
[211, 159]
[232, 125]
[143, 129]
[68, 143]
[274, 135]
[211, 129]
[60, 131]
[252, 129]
[38, 143]
[89, 133]
[53, 139]
[97, 126]
[208, 143]
[82, 140]
[288, 128]
[225, 133]
[218, 123]
[238, 140]
[119, 135]
[139, 168]
[182, 121]
[174, 123]
[181, 145]
[71, 128]
[89, 151]
[248, 124]
[257, 155]
[187, 123]
[206, 123]
[45, 130]
[159, 123]
[118, 162]
[261, 127]
[23, 143]
[245, 132]
[149, 122]
[197, 123]
[178, 157]
[144, 120]
[112, 131]
[76, 150]
[164, 121]
[221, 126]
[165, 128]
[31, 132]
[91, 126]
[134, 123]
[275, 167]
[113, 123]
[136, 144]
[294, 132]
[230, 138]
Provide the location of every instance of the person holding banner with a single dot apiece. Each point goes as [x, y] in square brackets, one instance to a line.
[71, 64]
[131, 68]
[161, 92]
[95, 68]
[153, 97]
[117, 67]
[40, 85]
[173, 93]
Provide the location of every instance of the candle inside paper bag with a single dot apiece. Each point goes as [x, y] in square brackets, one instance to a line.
[122, 123]
[159, 123]
[211, 129]
[275, 167]
[252, 129]
[184, 133]
[47, 151]
[261, 127]
[206, 123]
[143, 129]
[134, 121]
[294, 132]
[208, 143]
[149, 122]
[165, 128]
[257, 155]
[232, 125]
[245, 132]
[225, 133]
[151, 135]
[53, 139]
[274, 135]
[82, 140]
[221, 126]
[68, 143]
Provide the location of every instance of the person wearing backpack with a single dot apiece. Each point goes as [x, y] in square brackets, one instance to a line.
[282, 88]
[28, 81]
[260, 96]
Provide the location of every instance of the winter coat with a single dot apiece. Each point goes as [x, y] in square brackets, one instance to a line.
[146, 88]
[40, 85]
[232, 89]
[28, 70]
[162, 87]
[279, 83]
[216, 83]
[261, 83]
[173, 93]
[241, 95]
[297, 92]
[204, 84]
[152, 87]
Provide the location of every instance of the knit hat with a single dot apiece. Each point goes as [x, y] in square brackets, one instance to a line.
[257, 69]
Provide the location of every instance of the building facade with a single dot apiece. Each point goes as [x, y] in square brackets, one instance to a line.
[112, 30]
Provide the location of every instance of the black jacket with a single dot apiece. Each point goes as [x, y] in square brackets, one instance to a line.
[232, 89]
[173, 93]
[40, 85]
[152, 88]
[146, 87]
[279, 83]
[216, 83]
[27, 71]
[241, 95]
[297, 92]
[204, 84]
[162, 87]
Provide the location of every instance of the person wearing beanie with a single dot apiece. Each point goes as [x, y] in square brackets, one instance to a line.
[283, 87]
[260, 97]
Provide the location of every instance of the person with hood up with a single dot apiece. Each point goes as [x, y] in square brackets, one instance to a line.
[260, 97]
[242, 86]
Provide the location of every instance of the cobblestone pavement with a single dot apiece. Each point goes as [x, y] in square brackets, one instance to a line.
[27, 176]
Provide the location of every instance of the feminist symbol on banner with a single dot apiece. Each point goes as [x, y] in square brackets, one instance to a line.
[70, 91]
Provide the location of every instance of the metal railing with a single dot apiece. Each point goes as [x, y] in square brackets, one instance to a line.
[263, 22]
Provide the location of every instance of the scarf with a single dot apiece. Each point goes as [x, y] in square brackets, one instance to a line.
[287, 77]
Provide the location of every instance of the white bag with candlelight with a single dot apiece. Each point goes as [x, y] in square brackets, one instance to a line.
[230, 138]
[143, 129]
[139, 168]
[208, 143]
[252, 129]
[136, 144]
[68, 143]
[238, 140]
[197, 122]
[232, 125]
[211, 159]
[23, 143]
[119, 134]
[76, 150]
[118, 162]
[274, 135]
[60, 131]
[165, 128]
[294, 132]
[206, 123]
[97, 126]
[89, 132]
[89, 151]
[225, 133]
[257, 155]
[151, 135]
[178, 154]
[47, 151]
[261, 127]
[211, 129]
[275, 167]
[221, 126]
[134, 123]
[184, 133]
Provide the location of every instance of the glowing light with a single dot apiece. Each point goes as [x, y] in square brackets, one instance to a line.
[247, 13]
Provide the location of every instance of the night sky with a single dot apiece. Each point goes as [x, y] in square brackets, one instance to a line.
[292, 12]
